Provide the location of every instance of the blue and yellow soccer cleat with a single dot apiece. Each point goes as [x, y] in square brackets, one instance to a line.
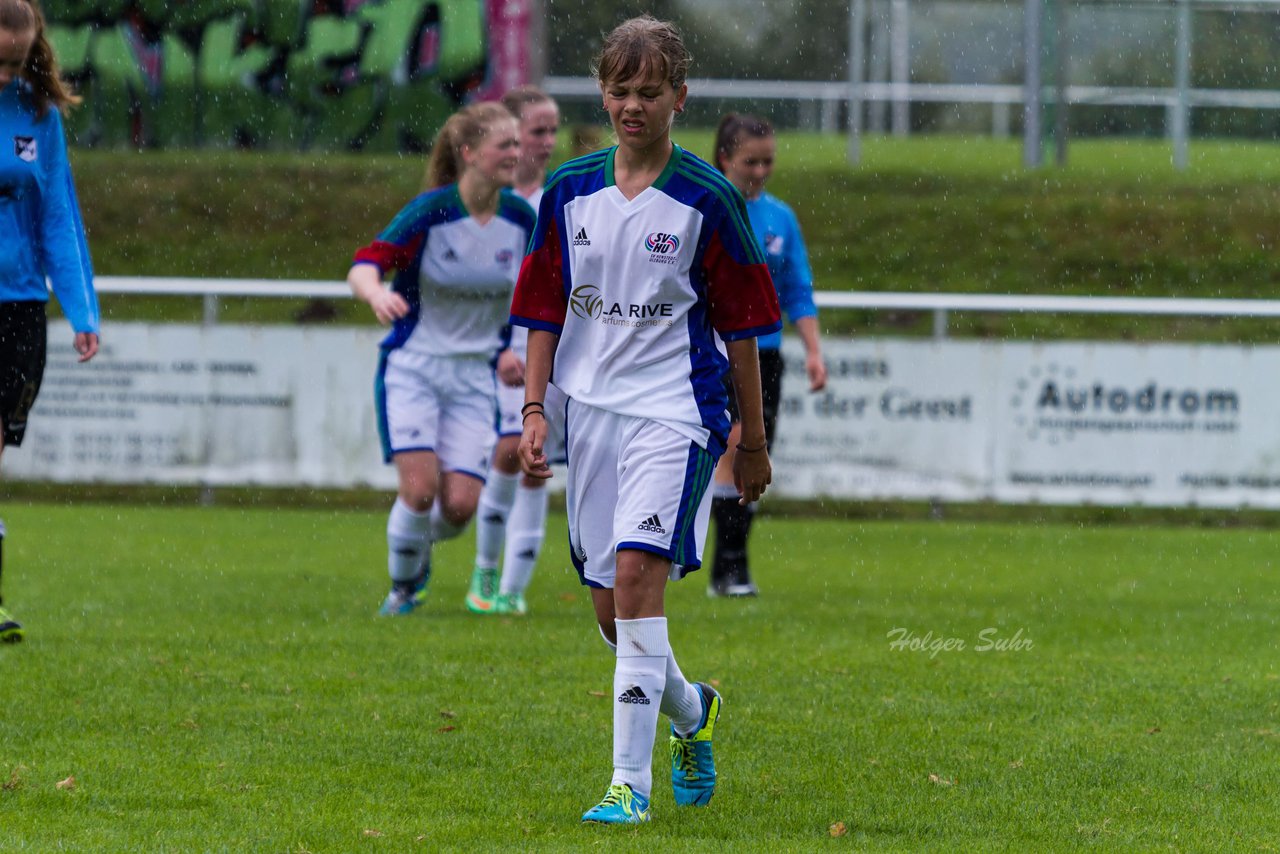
[621, 805]
[483, 595]
[10, 629]
[420, 584]
[693, 767]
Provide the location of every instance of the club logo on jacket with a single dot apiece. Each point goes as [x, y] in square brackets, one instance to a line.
[25, 148]
[663, 248]
[773, 243]
[503, 258]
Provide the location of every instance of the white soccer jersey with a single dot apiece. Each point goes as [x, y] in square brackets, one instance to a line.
[636, 289]
[456, 274]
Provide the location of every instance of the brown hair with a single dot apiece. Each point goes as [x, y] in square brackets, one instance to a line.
[41, 70]
[641, 45]
[734, 129]
[520, 97]
[467, 127]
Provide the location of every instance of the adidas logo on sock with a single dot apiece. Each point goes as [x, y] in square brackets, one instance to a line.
[581, 239]
[652, 524]
[633, 695]
[528, 554]
[495, 518]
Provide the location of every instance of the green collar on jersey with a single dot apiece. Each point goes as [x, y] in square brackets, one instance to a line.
[677, 154]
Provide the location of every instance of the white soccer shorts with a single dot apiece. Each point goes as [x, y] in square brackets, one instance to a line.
[633, 484]
[511, 420]
[443, 404]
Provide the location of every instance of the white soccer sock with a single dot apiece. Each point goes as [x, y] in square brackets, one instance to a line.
[491, 516]
[639, 676]
[681, 700]
[613, 647]
[408, 546]
[525, 531]
[442, 528]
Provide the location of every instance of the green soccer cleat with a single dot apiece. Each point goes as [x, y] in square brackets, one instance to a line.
[511, 603]
[693, 767]
[420, 585]
[483, 595]
[621, 805]
[10, 629]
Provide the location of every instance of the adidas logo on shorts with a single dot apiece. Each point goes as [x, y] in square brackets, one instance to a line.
[653, 524]
[581, 239]
[633, 695]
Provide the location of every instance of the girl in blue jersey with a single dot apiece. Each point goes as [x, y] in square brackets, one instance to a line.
[745, 150]
[512, 516]
[41, 234]
[642, 256]
[456, 250]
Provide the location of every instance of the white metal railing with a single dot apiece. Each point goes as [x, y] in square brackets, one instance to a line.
[834, 95]
[940, 304]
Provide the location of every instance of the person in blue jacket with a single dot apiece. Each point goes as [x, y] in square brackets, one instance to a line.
[745, 150]
[41, 233]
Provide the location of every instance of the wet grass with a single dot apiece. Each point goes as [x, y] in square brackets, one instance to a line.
[927, 214]
[214, 679]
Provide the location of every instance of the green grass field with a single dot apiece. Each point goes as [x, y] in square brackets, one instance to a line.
[214, 679]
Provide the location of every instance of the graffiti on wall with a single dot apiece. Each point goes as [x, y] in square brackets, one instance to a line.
[284, 74]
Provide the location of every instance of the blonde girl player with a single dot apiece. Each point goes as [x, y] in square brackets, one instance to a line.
[41, 233]
[745, 150]
[456, 250]
[642, 255]
[512, 517]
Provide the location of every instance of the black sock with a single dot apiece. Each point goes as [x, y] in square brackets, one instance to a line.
[733, 526]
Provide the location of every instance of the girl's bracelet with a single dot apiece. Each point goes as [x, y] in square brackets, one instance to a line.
[747, 450]
[531, 403]
[532, 412]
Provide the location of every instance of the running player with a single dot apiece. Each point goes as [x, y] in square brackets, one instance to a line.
[512, 517]
[641, 256]
[745, 150]
[41, 233]
[456, 250]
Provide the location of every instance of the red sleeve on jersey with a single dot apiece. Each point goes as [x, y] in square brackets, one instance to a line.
[743, 302]
[539, 295]
[389, 256]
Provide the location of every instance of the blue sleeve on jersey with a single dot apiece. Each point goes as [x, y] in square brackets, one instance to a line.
[795, 285]
[64, 251]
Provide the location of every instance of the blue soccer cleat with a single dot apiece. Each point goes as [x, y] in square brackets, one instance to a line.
[621, 805]
[693, 767]
[401, 600]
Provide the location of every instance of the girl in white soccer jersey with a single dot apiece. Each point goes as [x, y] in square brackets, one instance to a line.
[512, 516]
[642, 255]
[456, 250]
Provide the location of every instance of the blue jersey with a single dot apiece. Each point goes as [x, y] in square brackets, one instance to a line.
[41, 233]
[778, 233]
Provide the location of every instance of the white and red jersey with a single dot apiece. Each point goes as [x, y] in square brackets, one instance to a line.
[456, 274]
[638, 289]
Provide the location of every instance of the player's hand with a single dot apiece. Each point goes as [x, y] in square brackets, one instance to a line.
[816, 368]
[752, 472]
[388, 306]
[510, 368]
[533, 459]
[86, 345]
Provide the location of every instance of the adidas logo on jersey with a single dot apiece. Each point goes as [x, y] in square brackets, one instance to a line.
[450, 255]
[652, 524]
[634, 696]
[581, 239]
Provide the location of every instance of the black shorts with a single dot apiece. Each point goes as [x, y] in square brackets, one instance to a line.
[23, 329]
[770, 392]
